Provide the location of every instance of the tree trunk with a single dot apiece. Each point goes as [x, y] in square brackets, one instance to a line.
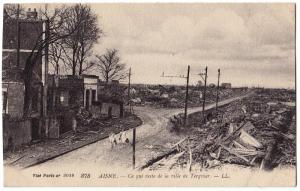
[80, 68]
[73, 63]
[28, 71]
[106, 78]
[81, 59]
[57, 68]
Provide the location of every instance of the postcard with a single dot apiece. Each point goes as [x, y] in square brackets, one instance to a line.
[149, 94]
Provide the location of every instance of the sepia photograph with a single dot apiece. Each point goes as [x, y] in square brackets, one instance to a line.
[149, 94]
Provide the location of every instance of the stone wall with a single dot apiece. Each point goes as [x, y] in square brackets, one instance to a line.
[95, 110]
[15, 99]
[51, 127]
[115, 109]
[16, 132]
[64, 98]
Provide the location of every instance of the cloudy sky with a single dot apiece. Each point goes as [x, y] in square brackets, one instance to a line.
[252, 44]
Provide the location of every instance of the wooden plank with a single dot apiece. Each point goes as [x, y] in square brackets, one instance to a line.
[179, 142]
[234, 153]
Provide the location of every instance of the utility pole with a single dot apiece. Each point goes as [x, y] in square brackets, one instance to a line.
[46, 27]
[18, 36]
[133, 148]
[186, 92]
[134, 130]
[218, 89]
[129, 76]
[186, 95]
[204, 93]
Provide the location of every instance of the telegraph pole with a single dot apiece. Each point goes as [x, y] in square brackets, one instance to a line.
[18, 36]
[218, 89]
[129, 76]
[133, 148]
[134, 130]
[186, 95]
[204, 93]
[46, 52]
[186, 92]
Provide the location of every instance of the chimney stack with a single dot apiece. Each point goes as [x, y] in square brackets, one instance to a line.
[31, 14]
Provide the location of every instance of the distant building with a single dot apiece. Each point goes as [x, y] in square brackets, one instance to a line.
[212, 85]
[199, 83]
[226, 85]
[114, 82]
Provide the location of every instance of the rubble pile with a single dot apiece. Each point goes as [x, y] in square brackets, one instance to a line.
[87, 123]
[174, 97]
[256, 131]
[83, 117]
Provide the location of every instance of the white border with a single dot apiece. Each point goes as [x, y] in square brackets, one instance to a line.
[151, 1]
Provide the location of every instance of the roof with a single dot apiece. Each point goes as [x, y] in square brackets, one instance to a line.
[90, 76]
[66, 81]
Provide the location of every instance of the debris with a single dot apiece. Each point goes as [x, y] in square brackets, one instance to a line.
[149, 146]
[290, 104]
[243, 131]
[239, 133]
[244, 109]
[16, 160]
[179, 142]
[216, 155]
[169, 145]
[213, 163]
[234, 153]
[249, 140]
[136, 100]
[265, 164]
[189, 166]
[288, 136]
[271, 103]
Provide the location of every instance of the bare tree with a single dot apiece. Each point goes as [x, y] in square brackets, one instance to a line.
[56, 55]
[55, 31]
[78, 46]
[110, 66]
[14, 11]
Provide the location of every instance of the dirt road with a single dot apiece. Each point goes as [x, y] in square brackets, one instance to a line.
[152, 138]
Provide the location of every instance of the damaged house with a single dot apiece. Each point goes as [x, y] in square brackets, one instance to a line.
[19, 38]
[110, 101]
[68, 93]
[69, 96]
[72, 91]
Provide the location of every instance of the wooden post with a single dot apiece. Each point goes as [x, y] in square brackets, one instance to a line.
[217, 101]
[204, 94]
[186, 96]
[133, 148]
[134, 130]
[18, 36]
[46, 51]
[129, 86]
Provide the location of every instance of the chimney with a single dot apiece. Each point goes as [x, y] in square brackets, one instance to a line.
[31, 14]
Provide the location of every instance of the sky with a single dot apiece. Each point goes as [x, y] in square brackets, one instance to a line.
[252, 44]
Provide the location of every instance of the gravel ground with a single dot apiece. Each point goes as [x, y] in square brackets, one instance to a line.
[31, 154]
[153, 139]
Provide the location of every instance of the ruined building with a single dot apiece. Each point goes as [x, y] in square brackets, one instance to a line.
[19, 38]
[226, 85]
